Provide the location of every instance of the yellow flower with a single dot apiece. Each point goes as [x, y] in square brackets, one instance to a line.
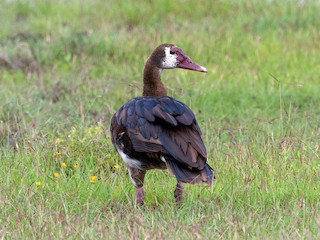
[116, 166]
[59, 140]
[74, 165]
[56, 174]
[58, 153]
[93, 178]
[63, 164]
[38, 184]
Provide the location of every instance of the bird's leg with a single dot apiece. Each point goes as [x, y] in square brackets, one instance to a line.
[178, 192]
[137, 178]
[140, 196]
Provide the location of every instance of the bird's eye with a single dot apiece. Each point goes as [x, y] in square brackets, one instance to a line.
[172, 52]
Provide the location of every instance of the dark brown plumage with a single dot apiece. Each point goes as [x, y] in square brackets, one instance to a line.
[157, 131]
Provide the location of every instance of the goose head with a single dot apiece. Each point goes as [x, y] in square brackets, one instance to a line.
[165, 56]
[168, 56]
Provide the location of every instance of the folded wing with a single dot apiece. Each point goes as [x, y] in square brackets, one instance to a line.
[164, 125]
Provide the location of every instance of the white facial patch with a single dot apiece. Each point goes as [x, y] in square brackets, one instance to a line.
[170, 60]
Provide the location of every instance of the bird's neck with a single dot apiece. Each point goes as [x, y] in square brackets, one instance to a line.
[152, 85]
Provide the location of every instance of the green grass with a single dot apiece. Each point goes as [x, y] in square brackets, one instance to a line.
[67, 66]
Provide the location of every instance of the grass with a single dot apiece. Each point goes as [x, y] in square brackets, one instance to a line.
[67, 66]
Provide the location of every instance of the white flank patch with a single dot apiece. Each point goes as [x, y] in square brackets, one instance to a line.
[170, 60]
[163, 159]
[129, 161]
[132, 163]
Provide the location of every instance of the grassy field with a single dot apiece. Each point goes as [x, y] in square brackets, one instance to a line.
[67, 66]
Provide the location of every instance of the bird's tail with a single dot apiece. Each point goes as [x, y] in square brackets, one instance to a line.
[191, 175]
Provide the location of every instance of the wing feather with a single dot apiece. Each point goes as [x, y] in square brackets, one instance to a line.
[163, 125]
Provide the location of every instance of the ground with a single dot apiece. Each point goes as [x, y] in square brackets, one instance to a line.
[67, 66]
